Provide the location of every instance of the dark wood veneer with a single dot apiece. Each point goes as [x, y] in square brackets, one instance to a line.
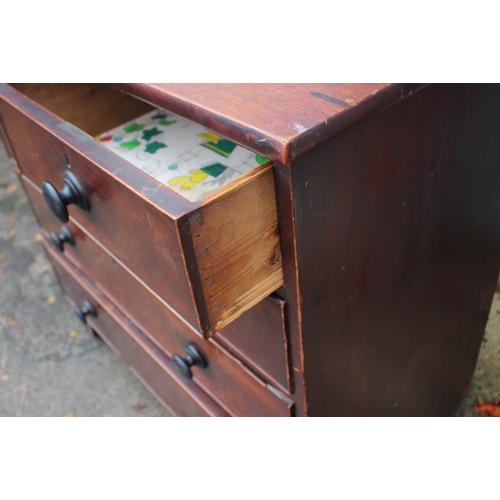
[280, 121]
[154, 369]
[258, 335]
[388, 203]
[225, 379]
[236, 389]
[211, 260]
[398, 247]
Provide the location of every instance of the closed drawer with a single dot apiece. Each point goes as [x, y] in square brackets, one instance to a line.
[259, 336]
[210, 260]
[235, 387]
[147, 362]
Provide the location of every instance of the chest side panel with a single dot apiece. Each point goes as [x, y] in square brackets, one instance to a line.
[398, 244]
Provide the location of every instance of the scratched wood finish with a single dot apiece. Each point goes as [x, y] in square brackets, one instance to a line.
[398, 248]
[235, 387]
[135, 228]
[155, 370]
[235, 236]
[140, 220]
[389, 234]
[226, 379]
[283, 122]
[88, 255]
[293, 312]
[258, 336]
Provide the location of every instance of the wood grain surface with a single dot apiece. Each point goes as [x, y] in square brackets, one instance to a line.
[155, 370]
[211, 267]
[388, 204]
[258, 336]
[127, 213]
[226, 379]
[293, 314]
[282, 122]
[235, 236]
[92, 107]
[398, 248]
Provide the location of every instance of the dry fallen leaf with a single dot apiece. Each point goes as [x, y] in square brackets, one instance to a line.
[38, 237]
[70, 415]
[2, 256]
[139, 406]
[73, 334]
[51, 300]
[12, 232]
[492, 409]
[5, 376]
[8, 219]
[11, 188]
[12, 320]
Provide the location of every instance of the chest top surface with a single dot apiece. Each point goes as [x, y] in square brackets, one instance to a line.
[279, 121]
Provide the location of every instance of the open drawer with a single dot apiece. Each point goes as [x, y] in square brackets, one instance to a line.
[211, 260]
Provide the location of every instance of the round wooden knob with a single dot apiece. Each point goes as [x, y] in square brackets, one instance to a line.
[193, 358]
[64, 237]
[71, 193]
[87, 309]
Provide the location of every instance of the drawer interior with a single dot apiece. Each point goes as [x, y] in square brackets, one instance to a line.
[218, 256]
[185, 157]
[92, 107]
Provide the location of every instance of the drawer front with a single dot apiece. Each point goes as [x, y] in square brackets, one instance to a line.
[128, 224]
[209, 260]
[236, 388]
[86, 253]
[147, 362]
[258, 335]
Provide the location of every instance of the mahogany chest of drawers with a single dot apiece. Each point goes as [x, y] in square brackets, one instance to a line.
[350, 273]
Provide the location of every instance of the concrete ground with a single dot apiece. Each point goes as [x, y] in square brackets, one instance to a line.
[50, 365]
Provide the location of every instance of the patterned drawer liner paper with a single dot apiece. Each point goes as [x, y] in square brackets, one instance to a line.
[186, 158]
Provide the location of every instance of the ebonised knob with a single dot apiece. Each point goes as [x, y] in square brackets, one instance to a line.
[71, 193]
[87, 309]
[193, 358]
[64, 237]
